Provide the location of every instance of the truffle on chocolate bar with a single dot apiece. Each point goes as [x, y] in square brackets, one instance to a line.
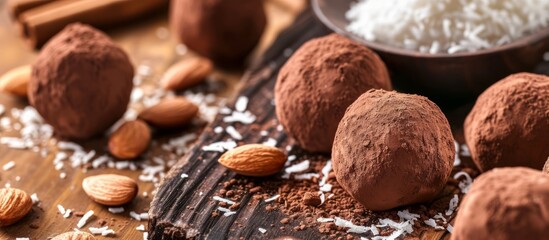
[509, 124]
[81, 82]
[505, 204]
[392, 149]
[225, 31]
[319, 82]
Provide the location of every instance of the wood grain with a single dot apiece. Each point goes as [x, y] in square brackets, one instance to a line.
[148, 42]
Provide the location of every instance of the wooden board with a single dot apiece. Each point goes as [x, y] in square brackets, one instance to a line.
[148, 43]
[184, 207]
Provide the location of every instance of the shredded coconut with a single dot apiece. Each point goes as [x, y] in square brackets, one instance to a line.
[84, 219]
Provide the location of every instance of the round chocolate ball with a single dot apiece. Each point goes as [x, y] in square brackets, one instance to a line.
[505, 204]
[509, 124]
[319, 82]
[393, 149]
[81, 82]
[225, 31]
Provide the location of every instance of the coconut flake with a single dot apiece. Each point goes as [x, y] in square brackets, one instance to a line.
[453, 205]
[221, 146]
[217, 198]
[243, 117]
[34, 198]
[324, 220]
[9, 165]
[431, 222]
[306, 176]
[226, 212]
[241, 104]
[218, 130]
[449, 228]
[271, 142]
[457, 160]
[406, 215]
[234, 134]
[116, 210]
[140, 228]
[262, 230]
[325, 171]
[326, 187]
[135, 216]
[352, 227]
[84, 219]
[184, 175]
[300, 167]
[465, 184]
[67, 213]
[272, 198]
[61, 209]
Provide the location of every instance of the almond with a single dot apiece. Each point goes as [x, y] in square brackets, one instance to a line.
[170, 113]
[255, 160]
[186, 73]
[130, 140]
[16, 81]
[110, 189]
[14, 205]
[74, 236]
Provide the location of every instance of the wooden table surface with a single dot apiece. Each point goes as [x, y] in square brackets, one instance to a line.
[148, 43]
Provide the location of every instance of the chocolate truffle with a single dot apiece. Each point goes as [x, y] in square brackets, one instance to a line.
[81, 82]
[505, 204]
[319, 82]
[225, 31]
[509, 124]
[392, 149]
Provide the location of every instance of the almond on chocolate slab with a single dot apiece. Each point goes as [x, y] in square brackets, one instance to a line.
[110, 189]
[14, 205]
[74, 236]
[130, 140]
[186, 73]
[255, 160]
[16, 81]
[169, 113]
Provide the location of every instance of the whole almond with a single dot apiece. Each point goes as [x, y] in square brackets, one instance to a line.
[130, 140]
[169, 113]
[14, 205]
[110, 189]
[74, 236]
[16, 81]
[255, 160]
[186, 73]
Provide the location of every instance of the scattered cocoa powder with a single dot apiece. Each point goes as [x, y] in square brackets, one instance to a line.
[299, 217]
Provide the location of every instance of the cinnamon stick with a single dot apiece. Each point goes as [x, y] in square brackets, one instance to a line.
[41, 23]
[17, 7]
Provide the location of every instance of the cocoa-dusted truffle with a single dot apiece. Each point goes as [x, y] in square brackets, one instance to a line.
[392, 149]
[509, 124]
[81, 82]
[505, 204]
[319, 82]
[225, 31]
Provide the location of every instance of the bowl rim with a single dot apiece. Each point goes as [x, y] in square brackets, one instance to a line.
[516, 44]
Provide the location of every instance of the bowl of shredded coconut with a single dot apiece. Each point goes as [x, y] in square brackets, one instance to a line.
[445, 49]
